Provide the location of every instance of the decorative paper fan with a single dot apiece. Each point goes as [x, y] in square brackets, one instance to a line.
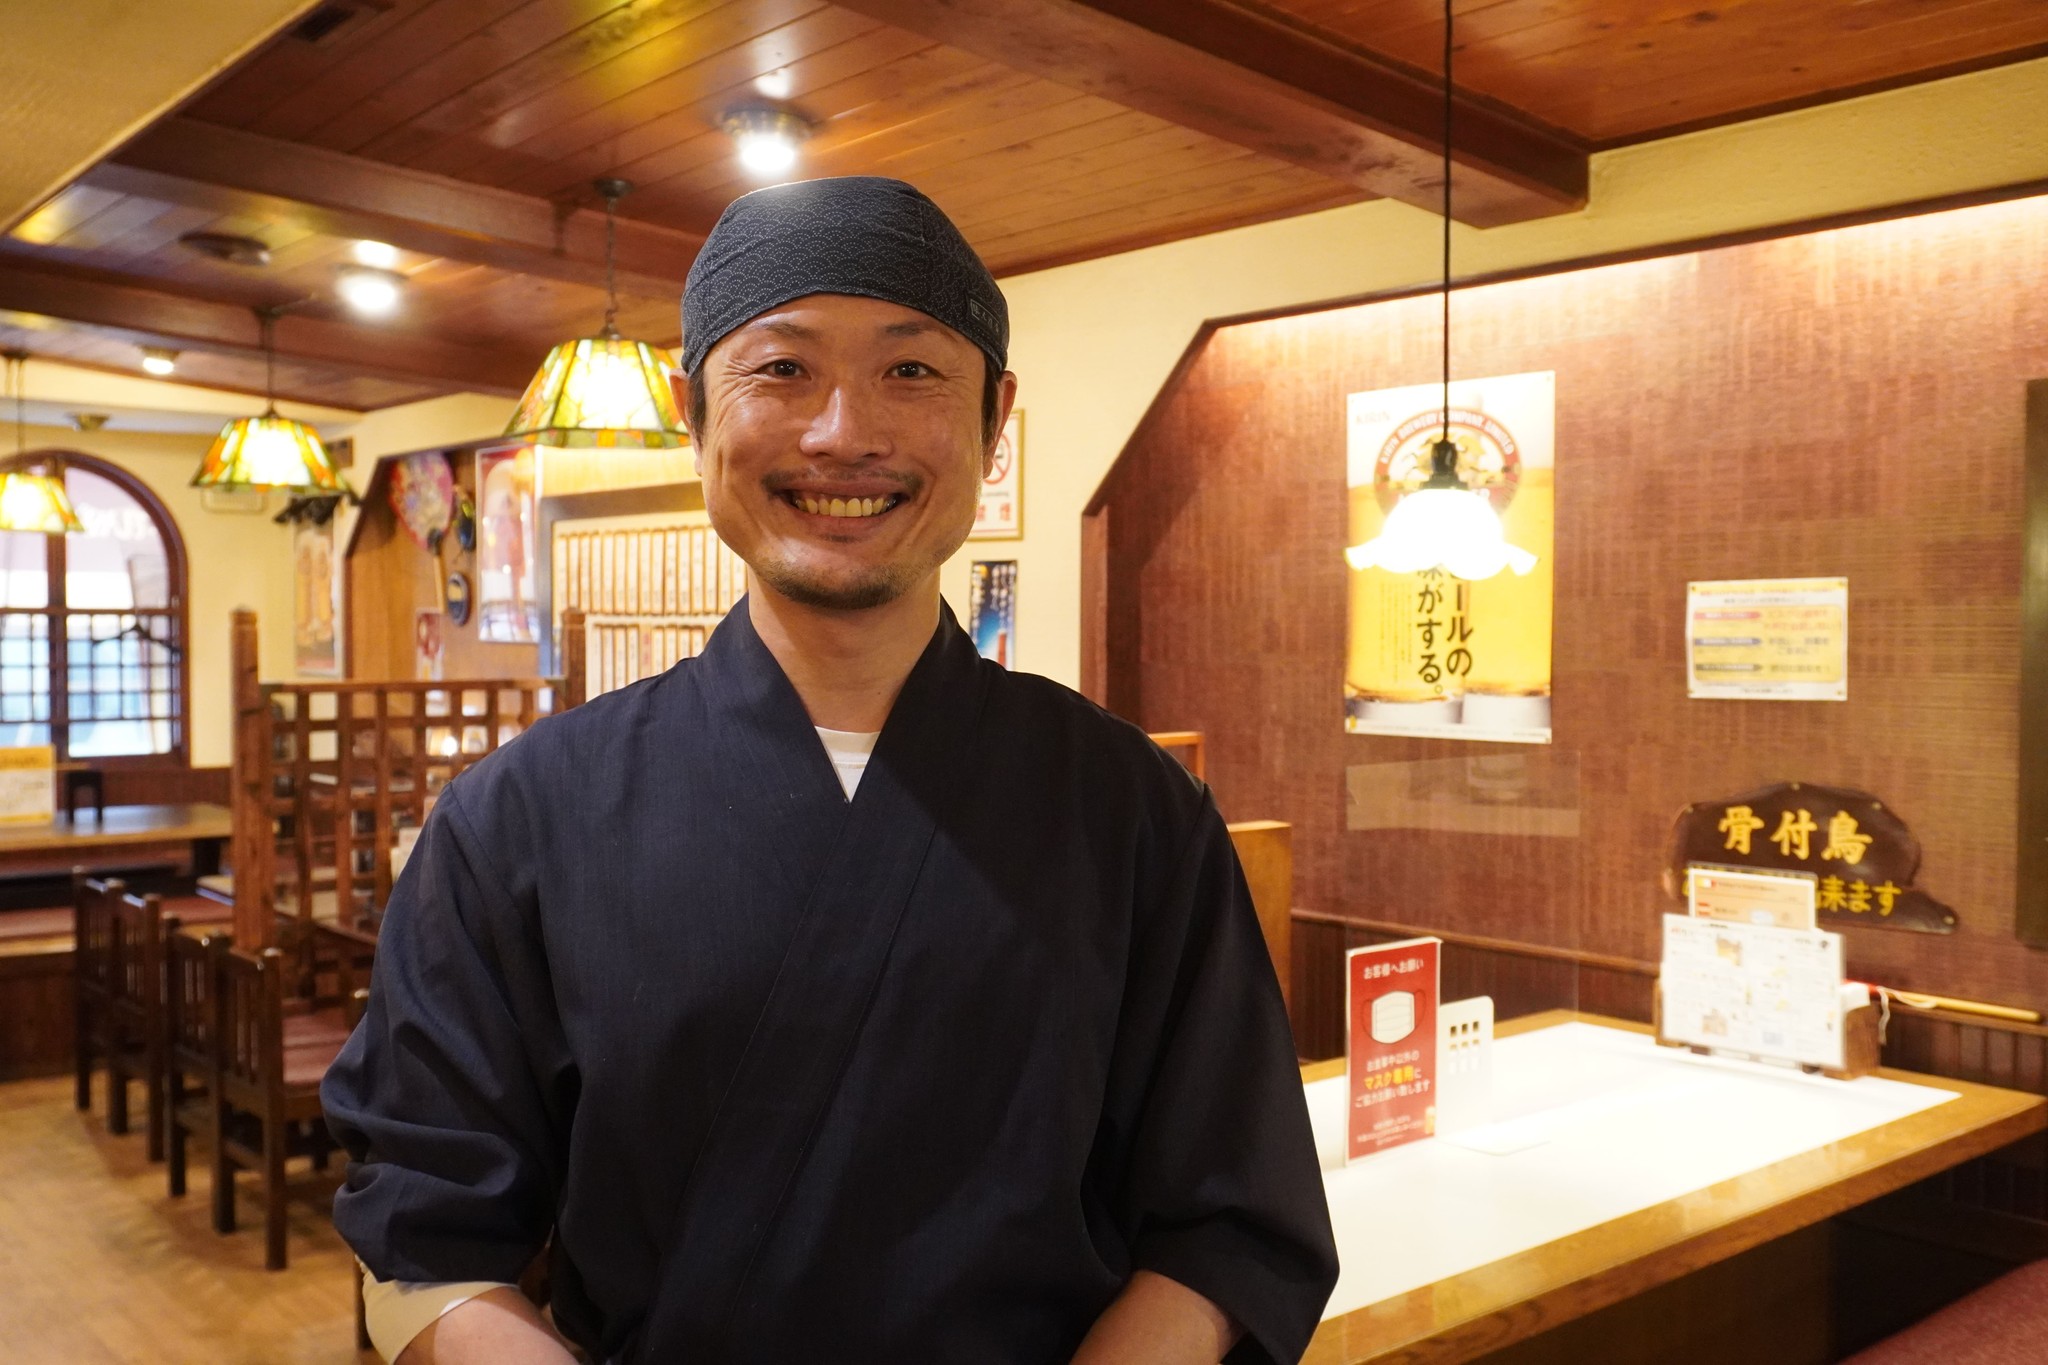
[423, 496]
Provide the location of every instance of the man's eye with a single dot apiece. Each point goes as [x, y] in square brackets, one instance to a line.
[784, 369]
[913, 369]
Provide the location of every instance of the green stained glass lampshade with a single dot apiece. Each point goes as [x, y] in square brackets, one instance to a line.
[601, 391]
[268, 452]
[31, 501]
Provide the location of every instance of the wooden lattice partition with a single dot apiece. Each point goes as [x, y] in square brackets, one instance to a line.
[326, 775]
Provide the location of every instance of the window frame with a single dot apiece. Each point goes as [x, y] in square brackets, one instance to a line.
[178, 756]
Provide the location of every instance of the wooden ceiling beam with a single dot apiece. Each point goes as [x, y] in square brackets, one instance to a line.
[151, 317]
[204, 165]
[1261, 82]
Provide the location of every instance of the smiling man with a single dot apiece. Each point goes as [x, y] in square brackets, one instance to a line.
[836, 994]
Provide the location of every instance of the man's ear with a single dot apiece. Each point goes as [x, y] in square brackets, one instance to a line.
[679, 385]
[1006, 398]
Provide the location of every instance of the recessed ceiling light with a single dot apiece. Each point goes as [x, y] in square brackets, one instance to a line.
[382, 255]
[368, 290]
[767, 138]
[159, 361]
[775, 85]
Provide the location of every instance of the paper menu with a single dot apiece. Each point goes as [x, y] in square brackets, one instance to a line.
[1754, 989]
[1391, 992]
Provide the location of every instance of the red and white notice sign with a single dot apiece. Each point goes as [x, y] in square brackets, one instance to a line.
[1391, 997]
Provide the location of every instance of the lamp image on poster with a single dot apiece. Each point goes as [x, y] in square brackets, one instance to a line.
[1430, 653]
[992, 609]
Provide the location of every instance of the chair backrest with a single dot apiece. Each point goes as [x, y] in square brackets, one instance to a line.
[191, 966]
[92, 900]
[135, 933]
[248, 1023]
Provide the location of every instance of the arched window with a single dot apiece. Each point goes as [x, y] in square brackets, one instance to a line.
[92, 625]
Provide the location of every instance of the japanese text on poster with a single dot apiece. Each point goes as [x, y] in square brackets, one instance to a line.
[1781, 639]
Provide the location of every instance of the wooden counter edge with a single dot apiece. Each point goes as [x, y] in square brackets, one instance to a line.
[1593, 1269]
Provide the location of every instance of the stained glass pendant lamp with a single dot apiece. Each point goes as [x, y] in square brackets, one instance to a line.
[32, 498]
[605, 390]
[270, 451]
[1444, 524]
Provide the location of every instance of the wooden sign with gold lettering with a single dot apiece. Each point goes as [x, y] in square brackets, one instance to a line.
[1862, 855]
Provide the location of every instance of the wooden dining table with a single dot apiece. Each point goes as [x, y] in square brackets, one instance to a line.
[188, 836]
[1525, 1244]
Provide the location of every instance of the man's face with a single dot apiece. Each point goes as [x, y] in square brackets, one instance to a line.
[843, 448]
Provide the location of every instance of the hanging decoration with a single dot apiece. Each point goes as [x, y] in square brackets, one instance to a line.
[271, 450]
[606, 390]
[1445, 523]
[423, 496]
[32, 497]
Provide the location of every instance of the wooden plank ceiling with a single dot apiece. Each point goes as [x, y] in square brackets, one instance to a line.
[467, 133]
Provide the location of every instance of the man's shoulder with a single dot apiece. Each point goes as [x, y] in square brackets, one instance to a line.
[572, 746]
[1061, 725]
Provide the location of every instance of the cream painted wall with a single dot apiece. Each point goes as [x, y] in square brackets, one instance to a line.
[1092, 343]
[233, 559]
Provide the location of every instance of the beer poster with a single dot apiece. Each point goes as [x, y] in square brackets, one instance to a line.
[1428, 653]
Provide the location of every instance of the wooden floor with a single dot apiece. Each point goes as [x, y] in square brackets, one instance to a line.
[98, 1265]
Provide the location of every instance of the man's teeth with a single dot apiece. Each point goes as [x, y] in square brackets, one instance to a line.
[844, 507]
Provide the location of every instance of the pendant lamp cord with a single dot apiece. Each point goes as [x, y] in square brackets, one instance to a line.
[1447, 221]
[16, 384]
[266, 319]
[611, 281]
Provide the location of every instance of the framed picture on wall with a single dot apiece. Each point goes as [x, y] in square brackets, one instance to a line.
[316, 599]
[1000, 514]
[992, 609]
[507, 607]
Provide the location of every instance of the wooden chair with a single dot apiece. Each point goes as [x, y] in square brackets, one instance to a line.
[191, 975]
[130, 1038]
[92, 975]
[266, 1086]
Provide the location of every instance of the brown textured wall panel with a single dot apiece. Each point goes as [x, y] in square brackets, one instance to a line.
[1845, 402]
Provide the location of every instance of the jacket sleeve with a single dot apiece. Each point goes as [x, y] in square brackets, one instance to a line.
[1225, 1192]
[453, 1096]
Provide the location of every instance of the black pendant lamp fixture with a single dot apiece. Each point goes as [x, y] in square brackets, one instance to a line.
[1443, 524]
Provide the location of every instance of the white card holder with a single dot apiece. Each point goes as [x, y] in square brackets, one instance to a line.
[1464, 1064]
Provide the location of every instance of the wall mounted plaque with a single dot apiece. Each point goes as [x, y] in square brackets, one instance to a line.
[1861, 854]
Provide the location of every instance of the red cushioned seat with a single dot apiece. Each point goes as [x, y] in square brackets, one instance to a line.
[2004, 1323]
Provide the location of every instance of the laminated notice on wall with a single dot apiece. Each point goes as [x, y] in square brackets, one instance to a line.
[1783, 639]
